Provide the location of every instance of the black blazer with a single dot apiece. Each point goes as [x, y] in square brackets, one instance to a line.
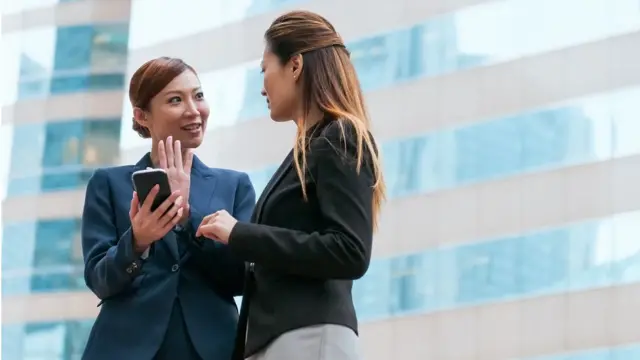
[307, 253]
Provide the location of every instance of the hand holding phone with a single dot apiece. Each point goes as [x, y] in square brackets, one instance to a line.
[155, 210]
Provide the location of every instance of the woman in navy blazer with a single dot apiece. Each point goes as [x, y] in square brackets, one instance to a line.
[164, 293]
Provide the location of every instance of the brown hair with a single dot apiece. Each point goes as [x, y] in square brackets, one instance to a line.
[329, 82]
[149, 80]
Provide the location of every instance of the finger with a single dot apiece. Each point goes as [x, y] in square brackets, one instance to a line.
[188, 161]
[148, 201]
[166, 205]
[135, 205]
[170, 154]
[162, 154]
[168, 216]
[173, 221]
[208, 231]
[207, 219]
[177, 153]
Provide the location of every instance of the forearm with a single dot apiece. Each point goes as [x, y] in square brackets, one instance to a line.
[111, 271]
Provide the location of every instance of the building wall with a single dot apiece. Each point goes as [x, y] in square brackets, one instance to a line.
[509, 138]
[64, 65]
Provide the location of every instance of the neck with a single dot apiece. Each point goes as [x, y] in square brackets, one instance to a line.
[154, 155]
[313, 117]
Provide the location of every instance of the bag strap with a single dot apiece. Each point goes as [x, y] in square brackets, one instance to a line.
[243, 320]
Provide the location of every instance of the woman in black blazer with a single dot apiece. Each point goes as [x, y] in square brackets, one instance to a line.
[311, 232]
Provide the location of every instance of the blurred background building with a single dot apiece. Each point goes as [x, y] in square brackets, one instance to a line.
[509, 132]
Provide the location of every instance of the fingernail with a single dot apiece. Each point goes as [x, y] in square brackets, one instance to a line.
[180, 212]
[179, 201]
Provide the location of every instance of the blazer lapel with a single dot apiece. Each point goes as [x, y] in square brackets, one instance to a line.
[284, 168]
[203, 184]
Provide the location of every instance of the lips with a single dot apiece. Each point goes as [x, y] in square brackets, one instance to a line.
[192, 127]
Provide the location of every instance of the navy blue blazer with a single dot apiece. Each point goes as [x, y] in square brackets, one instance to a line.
[137, 295]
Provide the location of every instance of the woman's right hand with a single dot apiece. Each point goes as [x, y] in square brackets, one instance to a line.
[150, 226]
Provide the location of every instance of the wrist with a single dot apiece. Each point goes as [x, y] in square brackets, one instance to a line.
[184, 220]
[137, 247]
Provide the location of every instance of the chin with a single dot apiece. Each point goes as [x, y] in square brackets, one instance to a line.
[192, 143]
[278, 117]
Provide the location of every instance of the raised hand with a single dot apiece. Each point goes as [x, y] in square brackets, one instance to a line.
[179, 172]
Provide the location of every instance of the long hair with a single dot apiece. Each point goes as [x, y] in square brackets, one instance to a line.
[329, 81]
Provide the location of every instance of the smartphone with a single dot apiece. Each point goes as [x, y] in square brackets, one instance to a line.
[145, 180]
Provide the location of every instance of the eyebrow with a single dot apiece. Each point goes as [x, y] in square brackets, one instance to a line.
[182, 91]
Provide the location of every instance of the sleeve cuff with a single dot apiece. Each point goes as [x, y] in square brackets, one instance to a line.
[126, 256]
[239, 239]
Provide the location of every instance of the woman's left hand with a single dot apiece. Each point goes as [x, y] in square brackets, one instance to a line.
[178, 171]
[217, 226]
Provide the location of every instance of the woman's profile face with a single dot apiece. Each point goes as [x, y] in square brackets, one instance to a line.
[179, 110]
[279, 87]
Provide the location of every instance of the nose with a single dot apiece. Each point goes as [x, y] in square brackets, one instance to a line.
[191, 108]
[263, 92]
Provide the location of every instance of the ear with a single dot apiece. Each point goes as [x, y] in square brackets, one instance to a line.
[140, 116]
[297, 63]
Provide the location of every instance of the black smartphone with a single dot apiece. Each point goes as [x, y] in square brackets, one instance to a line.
[145, 180]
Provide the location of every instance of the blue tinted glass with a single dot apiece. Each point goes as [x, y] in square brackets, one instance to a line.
[372, 294]
[260, 178]
[497, 148]
[79, 83]
[580, 256]
[254, 104]
[413, 283]
[69, 84]
[592, 129]
[72, 59]
[42, 257]
[27, 149]
[629, 352]
[62, 144]
[19, 241]
[12, 341]
[110, 47]
[61, 155]
[103, 82]
[51, 340]
[34, 89]
[73, 47]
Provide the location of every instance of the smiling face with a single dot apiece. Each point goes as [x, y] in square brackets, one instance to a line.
[279, 86]
[179, 110]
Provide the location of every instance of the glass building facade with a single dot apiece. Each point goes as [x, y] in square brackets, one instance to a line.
[508, 130]
[57, 138]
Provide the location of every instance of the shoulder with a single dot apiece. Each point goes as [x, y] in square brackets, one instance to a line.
[340, 136]
[102, 175]
[337, 130]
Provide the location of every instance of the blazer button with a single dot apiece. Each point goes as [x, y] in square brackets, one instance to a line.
[175, 267]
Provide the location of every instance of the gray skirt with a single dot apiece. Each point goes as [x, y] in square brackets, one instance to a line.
[319, 342]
